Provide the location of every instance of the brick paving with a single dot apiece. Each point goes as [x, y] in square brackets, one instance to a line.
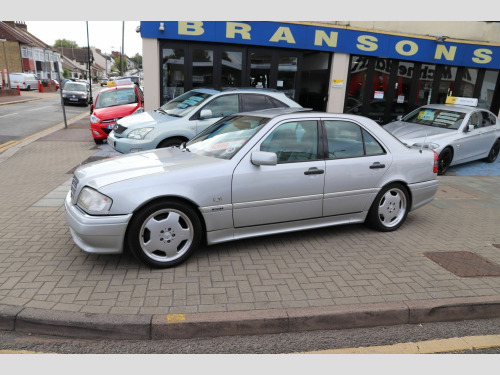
[41, 267]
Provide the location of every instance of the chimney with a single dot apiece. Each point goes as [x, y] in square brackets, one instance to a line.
[22, 25]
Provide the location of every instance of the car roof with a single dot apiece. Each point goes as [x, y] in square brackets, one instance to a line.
[275, 112]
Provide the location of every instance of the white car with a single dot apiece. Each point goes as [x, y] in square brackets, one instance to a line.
[458, 133]
[250, 174]
[25, 81]
[182, 118]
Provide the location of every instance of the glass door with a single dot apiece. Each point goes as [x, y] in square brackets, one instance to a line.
[260, 69]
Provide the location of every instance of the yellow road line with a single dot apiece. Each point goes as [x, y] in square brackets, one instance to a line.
[423, 347]
[21, 352]
[8, 145]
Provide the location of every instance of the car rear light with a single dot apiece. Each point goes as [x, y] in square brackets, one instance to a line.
[436, 162]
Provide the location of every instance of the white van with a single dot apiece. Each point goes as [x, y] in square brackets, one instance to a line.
[25, 81]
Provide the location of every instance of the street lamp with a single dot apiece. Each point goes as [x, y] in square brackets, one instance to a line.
[6, 61]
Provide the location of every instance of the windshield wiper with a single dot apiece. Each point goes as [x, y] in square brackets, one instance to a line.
[161, 111]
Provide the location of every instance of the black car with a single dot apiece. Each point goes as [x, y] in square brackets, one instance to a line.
[75, 93]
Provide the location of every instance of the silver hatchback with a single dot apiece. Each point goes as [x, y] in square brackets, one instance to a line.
[249, 174]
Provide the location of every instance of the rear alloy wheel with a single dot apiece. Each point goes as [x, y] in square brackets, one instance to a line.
[389, 209]
[164, 234]
[445, 158]
[492, 156]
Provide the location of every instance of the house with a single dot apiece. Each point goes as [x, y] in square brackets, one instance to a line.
[10, 52]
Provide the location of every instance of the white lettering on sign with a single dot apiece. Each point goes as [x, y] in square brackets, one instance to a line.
[283, 33]
[321, 37]
[233, 28]
[482, 56]
[367, 43]
[449, 54]
[191, 28]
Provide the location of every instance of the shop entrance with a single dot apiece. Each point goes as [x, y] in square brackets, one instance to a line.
[383, 89]
[301, 75]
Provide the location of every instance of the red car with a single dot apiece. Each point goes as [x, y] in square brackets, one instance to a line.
[112, 104]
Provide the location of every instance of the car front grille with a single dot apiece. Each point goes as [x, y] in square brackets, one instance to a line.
[74, 184]
[119, 129]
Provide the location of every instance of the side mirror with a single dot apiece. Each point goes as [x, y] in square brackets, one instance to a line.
[205, 113]
[469, 128]
[399, 118]
[263, 158]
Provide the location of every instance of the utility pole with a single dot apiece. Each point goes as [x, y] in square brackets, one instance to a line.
[90, 64]
[123, 48]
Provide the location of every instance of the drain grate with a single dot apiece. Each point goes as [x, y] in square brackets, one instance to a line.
[464, 263]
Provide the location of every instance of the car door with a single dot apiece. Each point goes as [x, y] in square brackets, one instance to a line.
[356, 162]
[289, 191]
[220, 106]
[472, 143]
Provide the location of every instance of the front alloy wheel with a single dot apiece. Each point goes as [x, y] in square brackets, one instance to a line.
[389, 209]
[164, 234]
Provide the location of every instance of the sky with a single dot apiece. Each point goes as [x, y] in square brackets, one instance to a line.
[105, 35]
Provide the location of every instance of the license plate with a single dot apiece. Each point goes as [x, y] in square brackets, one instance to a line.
[73, 99]
[111, 126]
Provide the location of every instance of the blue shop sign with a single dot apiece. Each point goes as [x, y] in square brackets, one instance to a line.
[328, 39]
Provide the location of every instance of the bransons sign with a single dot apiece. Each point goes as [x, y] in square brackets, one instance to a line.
[329, 39]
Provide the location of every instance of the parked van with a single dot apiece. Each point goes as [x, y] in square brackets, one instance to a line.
[25, 81]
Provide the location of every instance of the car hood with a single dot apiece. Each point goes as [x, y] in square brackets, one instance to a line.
[115, 112]
[150, 118]
[405, 131]
[125, 167]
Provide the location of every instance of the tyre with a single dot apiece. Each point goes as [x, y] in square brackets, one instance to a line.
[492, 156]
[170, 142]
[28, 88]
[389, 209]
[98, 141]
[444, 161]
[164, 233]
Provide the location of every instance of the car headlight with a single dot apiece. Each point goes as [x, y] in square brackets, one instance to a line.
[91, 200]
[64, 95]
[94, 119]
[139, 133]
[427, 145]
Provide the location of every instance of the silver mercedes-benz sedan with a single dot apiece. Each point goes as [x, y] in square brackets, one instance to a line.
[249, 174]
[458, 133]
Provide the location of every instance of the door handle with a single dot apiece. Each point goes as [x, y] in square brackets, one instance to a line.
[314, 171]
[377, 165]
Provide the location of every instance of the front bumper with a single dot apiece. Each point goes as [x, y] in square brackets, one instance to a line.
[101, 130]
[96, 234]
[128, 145]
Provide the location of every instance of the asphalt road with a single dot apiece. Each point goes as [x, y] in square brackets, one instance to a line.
[18, 121]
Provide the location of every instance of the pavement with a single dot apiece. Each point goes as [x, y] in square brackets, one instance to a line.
[333, 278]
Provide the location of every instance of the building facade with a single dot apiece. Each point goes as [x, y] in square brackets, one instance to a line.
[375, 69]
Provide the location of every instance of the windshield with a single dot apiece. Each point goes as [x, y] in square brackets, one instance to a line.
[74, 86]
[116, 97]
[183, 104]
[439, 118]
[224, 138]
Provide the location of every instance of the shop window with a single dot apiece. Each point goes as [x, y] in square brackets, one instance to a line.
[357, 84]
[203, 68]
[424, 88]
[173, 73]
[232, 68]
[401, 104]
[287, 75]
[260, 69]
[488, 88]
[468, 83]
[447, 83]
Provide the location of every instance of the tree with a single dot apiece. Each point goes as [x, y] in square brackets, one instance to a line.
[64, 43]
[137, 59]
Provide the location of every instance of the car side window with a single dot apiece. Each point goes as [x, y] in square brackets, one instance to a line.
[253, 102]
[293, 141]
[348, 140]
[223, 105]
[487, 119]
[475, 119]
